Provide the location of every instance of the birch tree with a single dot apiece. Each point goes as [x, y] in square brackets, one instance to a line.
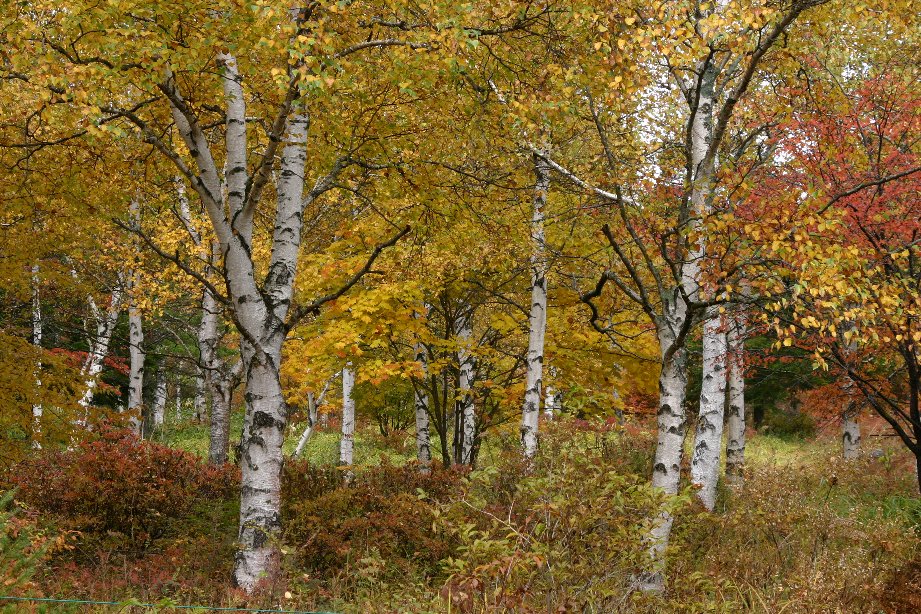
[347, 442]
[668, 272]
[735, 421]
[537, 320]
[37, 342]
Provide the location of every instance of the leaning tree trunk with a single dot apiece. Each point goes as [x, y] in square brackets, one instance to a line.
[313, 408]
[850, 431]
[537, 319]
[423, 437]
[37, 342]
[705, 463]
[735, 422]
[347, 442]
[99, 346]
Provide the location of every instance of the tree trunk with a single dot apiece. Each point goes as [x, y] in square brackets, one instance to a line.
[537, 319]
[551, 403]
[735, 423]
[222, 386]
[99, 346]
[37, 342]
[423, 438]
[137, 356]
[261, 463]
[159, 401]
[666, 471]
[466, 412]
[313, 407]
[705, 463]
[347, 443]
[850, 431]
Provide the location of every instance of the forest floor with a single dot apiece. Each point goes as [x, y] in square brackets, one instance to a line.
[807, 532]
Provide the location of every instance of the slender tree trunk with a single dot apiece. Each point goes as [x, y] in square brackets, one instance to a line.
[200, 399]
[735, 423]
[37, 342]
[347, 443]
[219, 431]
[850, 431]
[137, 356]
[178, 390]
[311, 420]
[159, 401]
[99, 346]
[705, 463]
[466, 410]
[313, 407]
[537, 320]
[423, 439]
[552, 397]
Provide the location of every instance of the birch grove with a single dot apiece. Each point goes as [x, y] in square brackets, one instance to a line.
[719, 194]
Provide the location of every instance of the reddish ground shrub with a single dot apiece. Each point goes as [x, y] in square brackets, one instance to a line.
[119, 486]
[387, 512]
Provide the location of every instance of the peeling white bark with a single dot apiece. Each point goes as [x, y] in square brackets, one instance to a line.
[347, 442]
[537, 319]
[37, 342]
[465, 396]
[313, 405]
[137, 356]
[99, 345]
[423, 437]
[705, 462]
[158, 411]
[675, 318]
[735, 422]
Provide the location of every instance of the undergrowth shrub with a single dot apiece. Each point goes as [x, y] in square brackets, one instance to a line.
[569, 537]
[118, 488]
[800, 539]
[381, 524]
[22, 546]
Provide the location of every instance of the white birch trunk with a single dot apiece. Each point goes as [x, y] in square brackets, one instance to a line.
[200, 400]
[735, 422]
[178, 390]
[465, 386]
[537, 320]
[264, 320]
[158, 411]
[221, 393]
[313, 408]
[137, 356]
[705, 462]
[37, 342]
[666, 472]
[850, 431]
[99, 346]
[423, 436]
[347, 442]
[673, 378]
[551, 403]
[311, 420]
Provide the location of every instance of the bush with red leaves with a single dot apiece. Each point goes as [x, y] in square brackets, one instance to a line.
[119, 485]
